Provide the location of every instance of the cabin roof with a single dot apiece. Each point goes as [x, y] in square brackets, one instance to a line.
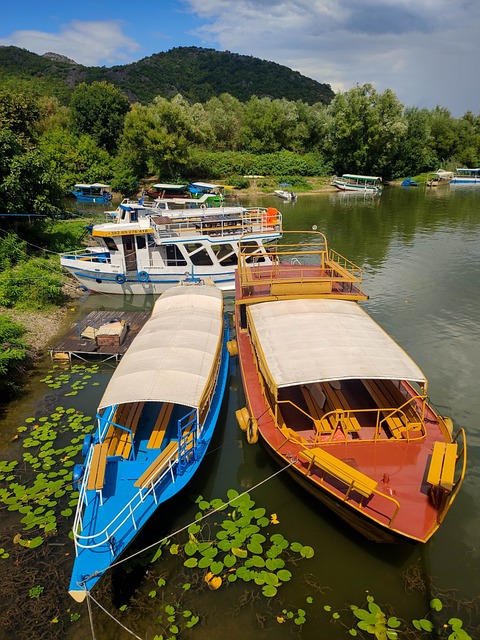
[172, 358]
[305, 341]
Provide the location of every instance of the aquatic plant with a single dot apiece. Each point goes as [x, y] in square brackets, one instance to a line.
[238, 547]
[78, 375]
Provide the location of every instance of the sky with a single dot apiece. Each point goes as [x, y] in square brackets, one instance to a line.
[424, 50]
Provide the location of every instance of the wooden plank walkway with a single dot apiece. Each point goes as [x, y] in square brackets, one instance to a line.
[73, 345]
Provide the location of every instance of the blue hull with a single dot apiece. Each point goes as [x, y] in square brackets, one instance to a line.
[100, 548]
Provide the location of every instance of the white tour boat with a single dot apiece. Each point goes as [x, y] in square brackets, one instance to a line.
[146, 250]
[363, 184]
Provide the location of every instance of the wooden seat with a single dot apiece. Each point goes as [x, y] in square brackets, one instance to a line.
[160, 426]
[354, 479]
[395, 424]
[441, 471]
[316, 412]
[119, 440]
[337, 402]
[157, 466]
[98, 466]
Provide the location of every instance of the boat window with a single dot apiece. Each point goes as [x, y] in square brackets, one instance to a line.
[110, 242]
[174, 256]
[141, 243]
[225, 254]
[198, 254]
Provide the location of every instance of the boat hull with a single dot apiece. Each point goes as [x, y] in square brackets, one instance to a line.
[157, 283]
[342, 186]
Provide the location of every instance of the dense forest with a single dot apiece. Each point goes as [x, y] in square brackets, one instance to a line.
[196, 73]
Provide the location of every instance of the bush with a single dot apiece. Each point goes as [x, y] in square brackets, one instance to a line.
[13, 352]
[32, 285]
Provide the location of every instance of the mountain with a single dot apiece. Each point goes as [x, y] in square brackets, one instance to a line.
[196, 73]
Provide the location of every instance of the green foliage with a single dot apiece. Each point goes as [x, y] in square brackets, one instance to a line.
[99, 110]
[13, 352]
[239, 547]
[20, 113]
[32, 285]
[12, 250]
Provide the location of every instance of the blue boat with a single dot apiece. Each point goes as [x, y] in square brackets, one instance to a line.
[155, 422]
[95, 192]
[408, 182]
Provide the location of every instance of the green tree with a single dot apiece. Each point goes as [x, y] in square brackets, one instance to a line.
[415, 153]
[20, 113]
[225, 114]
[99, 110]
[367, 128]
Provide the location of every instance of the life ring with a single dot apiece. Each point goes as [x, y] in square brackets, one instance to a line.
[143, 276]
[120, 278]
[77, 475]
[252, 431]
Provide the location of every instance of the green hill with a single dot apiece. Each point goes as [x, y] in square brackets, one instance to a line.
[196, 73]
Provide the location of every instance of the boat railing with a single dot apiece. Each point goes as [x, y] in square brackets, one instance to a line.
[127, 513]
[221, 225]
[348, 422]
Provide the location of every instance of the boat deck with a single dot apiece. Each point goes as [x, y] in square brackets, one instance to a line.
[72, 344]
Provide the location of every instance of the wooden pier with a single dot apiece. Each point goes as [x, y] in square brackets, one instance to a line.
[73, 345]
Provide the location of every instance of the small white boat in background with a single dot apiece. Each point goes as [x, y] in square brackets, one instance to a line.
[285, 195]
[155, 422]
[359, 183]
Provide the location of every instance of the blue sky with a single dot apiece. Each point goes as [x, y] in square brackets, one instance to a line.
[426, 51]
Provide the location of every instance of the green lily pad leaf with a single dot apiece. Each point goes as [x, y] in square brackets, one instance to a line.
[36, 542]
[269, 590]
[191, 563]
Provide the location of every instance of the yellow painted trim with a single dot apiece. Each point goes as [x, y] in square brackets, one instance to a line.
[125, 232]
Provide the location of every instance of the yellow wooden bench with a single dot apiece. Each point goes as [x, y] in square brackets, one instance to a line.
[119, 440]
[354, 479]
[157, 466]
[441, 471]
[315, 410]
[394, 422]
[337, 402]
[98, 466]
[160, 426]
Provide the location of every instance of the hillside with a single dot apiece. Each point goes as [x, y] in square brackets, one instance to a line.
[196, 73]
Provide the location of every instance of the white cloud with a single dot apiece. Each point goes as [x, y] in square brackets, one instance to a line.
[423, 50]
[89, 43]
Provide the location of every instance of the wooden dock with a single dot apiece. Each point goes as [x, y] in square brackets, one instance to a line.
[73, 345]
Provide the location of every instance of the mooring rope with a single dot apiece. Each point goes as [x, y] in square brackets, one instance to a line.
[90, 615]
[111, 616]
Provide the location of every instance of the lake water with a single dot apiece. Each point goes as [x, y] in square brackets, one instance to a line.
[420, 252]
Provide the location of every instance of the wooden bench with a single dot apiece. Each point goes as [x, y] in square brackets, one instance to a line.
[160, 426]
[441, 471]
[395, 424]
[315, 408]
[119, 440]
[157, 466]
[98, 467]
[354, 479]
[337, 402]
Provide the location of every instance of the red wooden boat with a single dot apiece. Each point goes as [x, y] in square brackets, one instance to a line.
[336, 400]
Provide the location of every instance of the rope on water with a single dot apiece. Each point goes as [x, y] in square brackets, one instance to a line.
[90, 616]
[89, 596]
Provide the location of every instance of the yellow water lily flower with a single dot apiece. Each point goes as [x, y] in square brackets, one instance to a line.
[274, 519]
[280, 619]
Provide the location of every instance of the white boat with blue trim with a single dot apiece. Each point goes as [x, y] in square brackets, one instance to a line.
[146, 250]
[155, 422]
[466, 176]
[358, 183]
